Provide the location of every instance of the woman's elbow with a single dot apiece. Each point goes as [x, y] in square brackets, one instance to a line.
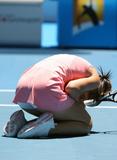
[68, 89]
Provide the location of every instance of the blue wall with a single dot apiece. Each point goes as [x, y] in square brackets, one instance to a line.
[103, 36]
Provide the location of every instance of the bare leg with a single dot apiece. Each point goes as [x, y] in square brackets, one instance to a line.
[75, 121]
[69, 129]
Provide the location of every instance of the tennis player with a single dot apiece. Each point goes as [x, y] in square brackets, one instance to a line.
[54, 90]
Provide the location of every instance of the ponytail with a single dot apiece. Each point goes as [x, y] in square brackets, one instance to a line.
[105, 83]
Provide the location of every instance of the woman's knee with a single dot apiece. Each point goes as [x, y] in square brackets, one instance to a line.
[70, 128]
[80, 128]
[85, 128]
[89, 126]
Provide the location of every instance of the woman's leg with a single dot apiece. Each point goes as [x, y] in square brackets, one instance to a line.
[75, 121]
[69, 129]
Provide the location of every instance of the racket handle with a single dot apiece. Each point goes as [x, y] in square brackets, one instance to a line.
[91, 103]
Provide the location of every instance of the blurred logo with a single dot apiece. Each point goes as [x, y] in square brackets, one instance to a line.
[87, 13]
[13, 19]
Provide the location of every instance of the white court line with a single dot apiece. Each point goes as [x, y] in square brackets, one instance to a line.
[15, 105]
[105, 107]
[98, 107]
[7, 90]
[9, 105]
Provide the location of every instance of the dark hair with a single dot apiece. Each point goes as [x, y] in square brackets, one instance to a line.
[105, 84]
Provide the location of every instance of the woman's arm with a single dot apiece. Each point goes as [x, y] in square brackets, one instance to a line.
[76, 88]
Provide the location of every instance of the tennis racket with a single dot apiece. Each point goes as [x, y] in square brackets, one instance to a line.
[111, 97]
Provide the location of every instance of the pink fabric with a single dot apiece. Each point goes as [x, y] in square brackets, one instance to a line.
[43, 84]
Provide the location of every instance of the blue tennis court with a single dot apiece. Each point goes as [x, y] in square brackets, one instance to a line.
[13, 62]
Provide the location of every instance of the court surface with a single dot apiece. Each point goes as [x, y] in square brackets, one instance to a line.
[100, 146]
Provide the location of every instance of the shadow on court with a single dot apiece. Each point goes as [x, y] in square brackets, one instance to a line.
[93, 147]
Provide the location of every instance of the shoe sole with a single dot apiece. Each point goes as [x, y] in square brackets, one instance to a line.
[28, 127]
[12, 119]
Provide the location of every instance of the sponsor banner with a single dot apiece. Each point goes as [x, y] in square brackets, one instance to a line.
[20, 24]
[87, 13]
[87, 23]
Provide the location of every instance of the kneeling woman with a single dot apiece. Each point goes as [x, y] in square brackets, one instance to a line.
[54, 90]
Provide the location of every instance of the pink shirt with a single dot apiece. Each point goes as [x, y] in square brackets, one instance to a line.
[43, 84]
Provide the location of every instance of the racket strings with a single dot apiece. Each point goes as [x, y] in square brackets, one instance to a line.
[110, 97]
